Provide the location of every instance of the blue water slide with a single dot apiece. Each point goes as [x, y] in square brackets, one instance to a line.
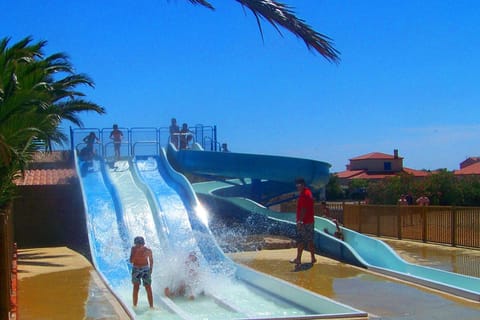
[187, 229]
[178, 208]
[107, 235]
[121, 201]
[283, 170]
[356, 249]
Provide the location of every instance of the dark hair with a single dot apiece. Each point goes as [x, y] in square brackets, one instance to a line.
[115, 126]
[300, 181]
[139, 240]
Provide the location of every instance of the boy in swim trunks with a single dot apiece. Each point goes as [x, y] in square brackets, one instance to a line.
[142, 259]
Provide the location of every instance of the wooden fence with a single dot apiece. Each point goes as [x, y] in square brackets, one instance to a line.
[455, 226]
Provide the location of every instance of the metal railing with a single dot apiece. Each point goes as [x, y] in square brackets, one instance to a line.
[154, 151]
[133, 137]
[182, 140]
[455, 226]
[214, 145]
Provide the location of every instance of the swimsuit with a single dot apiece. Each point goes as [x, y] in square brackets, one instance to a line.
[142, 274]
[305, 232]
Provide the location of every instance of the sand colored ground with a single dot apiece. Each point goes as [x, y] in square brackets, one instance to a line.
[58, 283]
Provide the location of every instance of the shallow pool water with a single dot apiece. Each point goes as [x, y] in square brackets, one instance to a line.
[381, 297]
[459, 260]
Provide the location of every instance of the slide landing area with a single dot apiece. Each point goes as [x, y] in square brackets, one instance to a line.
[355, 248]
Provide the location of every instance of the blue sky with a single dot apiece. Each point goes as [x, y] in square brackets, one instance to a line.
[408, 78]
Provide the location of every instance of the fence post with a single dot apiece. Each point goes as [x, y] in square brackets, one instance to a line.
[399, 222]
[359, 218]
[424, 224]
[454, 226]
[378, 222]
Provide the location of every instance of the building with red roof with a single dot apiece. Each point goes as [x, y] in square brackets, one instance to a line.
[376, 166]
[471, 166]
[469, 161]
[49, 169]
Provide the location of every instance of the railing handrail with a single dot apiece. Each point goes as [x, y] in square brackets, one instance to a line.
[205, 134]
[213, 144]
[143, 128]
[145, 142]
[112, 143]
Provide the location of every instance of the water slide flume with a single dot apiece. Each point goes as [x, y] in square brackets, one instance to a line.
[147, 197]
[368, 252]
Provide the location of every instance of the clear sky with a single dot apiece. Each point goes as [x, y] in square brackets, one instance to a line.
[408, 78]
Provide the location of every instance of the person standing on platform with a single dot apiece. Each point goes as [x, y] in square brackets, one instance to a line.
[174, 132]
[89, 151]
[116, 135]
[185, 136]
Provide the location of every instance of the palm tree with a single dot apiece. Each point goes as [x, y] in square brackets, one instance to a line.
[279, 14]
[34, 100]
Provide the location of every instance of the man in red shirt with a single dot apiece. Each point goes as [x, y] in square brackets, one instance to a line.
[305, 222]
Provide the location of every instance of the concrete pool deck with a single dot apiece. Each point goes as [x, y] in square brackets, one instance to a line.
[382, 297]
[59, 283]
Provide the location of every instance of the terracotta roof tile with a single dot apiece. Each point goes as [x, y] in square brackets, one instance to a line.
[364, 174]
[40, 177]
[416, 173]
[375, 155]
[469, 161]
[374, 176]
[471, 169]
[348, 174]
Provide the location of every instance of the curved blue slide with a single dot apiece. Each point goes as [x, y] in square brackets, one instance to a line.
[145, 196]
[283, 170]
[356, 249]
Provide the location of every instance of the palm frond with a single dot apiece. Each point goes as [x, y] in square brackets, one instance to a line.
[70, 110]
[203, 3]
[279, 14]
[34, 100]
[5, 152]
